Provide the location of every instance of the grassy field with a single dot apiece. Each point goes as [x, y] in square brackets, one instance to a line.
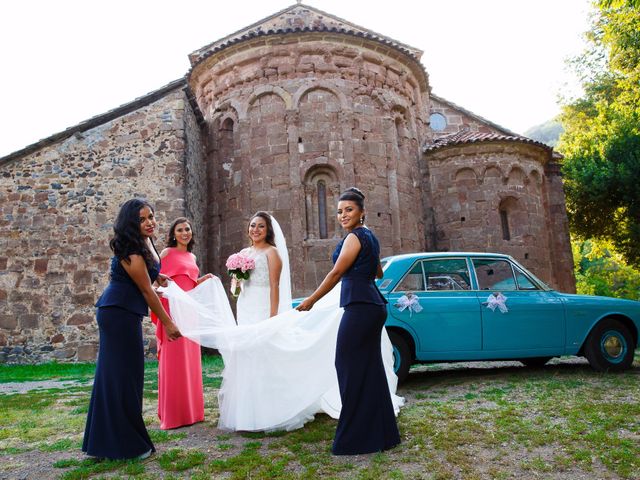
[465, 421]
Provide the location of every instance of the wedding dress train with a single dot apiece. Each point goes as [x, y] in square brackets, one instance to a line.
[278, 373]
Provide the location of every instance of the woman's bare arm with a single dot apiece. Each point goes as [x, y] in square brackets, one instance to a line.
[275, 270]
[348, 254]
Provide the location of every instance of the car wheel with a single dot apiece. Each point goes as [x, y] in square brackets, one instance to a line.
[534, 362]
[610, 346]
[401, 356]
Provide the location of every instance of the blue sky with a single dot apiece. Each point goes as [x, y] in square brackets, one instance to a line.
[65, 61]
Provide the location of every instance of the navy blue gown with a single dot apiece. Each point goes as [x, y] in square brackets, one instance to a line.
[367, 421]
[115, 428]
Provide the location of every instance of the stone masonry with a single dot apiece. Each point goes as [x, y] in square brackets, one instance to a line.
[58, 205]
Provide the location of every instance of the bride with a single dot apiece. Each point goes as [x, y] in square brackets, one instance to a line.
[267, 292]
[278, 373]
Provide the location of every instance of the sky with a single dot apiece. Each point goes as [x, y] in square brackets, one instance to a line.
[65, 61]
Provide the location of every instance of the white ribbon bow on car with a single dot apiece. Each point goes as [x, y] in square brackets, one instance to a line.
[409, 301]
[497, 300]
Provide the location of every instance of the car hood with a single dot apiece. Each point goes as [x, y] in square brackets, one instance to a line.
[576, 299]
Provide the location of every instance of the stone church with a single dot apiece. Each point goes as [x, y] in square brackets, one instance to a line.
[279, 116]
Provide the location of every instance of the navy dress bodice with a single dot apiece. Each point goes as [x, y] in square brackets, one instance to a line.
[122, 290]
[358, 283]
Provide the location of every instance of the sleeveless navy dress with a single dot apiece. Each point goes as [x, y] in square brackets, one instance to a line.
[115, 428]
[367, 421]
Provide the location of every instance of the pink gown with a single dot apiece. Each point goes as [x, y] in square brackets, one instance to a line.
[180, 394]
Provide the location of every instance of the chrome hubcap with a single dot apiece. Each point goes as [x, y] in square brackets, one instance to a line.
[613, 346]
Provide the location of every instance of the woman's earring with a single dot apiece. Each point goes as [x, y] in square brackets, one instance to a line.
[174, 239]
[361, 219]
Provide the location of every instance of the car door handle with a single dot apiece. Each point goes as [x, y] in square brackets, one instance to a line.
[484, 304]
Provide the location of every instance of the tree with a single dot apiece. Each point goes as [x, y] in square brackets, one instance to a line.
[600, 270]
[601, 142]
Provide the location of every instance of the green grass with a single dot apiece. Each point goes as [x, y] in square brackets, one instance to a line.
[46, 371]
[471, 423]
[177, 460]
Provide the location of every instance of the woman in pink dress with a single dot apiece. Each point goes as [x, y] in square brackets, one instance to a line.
[180, 396]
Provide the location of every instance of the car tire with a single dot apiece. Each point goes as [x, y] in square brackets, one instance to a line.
[535, 362]
[401, 356]
[610, 347]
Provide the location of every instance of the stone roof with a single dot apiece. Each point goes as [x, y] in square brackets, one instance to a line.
[464, 137]
[299, 18]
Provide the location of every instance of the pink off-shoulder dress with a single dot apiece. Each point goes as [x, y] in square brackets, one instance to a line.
[180, 395]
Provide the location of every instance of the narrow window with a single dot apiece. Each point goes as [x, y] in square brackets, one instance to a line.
[504, 220]
[322, 209]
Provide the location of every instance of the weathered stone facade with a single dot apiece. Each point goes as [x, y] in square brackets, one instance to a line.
[280, 116]
[288, 112]
[58, 205]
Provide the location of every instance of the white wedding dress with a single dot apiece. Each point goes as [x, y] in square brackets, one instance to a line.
[278, 373]
[254, 301]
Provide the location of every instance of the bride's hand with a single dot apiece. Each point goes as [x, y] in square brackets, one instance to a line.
[305, 305]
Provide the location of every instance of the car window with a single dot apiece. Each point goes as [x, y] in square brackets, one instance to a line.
[524, 282]
[413, 281]
[446, 274]
[494, 274]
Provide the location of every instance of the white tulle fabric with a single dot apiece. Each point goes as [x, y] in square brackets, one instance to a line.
[279, 373]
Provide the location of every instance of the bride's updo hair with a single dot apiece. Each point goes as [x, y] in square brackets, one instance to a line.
[355, 195]
[271, 236]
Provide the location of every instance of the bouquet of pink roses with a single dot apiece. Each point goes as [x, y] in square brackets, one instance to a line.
[239, 266]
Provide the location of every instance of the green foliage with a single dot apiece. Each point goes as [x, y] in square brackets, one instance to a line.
[600, 270]
[601, 142]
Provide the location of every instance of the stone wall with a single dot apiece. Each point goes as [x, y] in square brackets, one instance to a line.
[195, 193]
[457, 119]
[492, 197]
[295, 119]
[58, 205]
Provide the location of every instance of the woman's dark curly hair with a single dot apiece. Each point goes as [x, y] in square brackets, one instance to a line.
[171, 236]
[127, 239]
[271, 236]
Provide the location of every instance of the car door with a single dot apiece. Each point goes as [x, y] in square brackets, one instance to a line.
[534, 321]
[450, 319]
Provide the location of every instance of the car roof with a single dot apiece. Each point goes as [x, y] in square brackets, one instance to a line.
[444, 254]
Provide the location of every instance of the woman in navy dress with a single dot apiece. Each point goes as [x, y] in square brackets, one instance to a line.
[367, 421]
[115, 428]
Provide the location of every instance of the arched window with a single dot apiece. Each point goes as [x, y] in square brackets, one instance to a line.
[509, 217]
[226, 139]
[321, 193]
[322, 208]
[504, 221]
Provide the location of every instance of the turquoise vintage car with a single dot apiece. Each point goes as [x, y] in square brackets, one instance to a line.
[450, 307]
